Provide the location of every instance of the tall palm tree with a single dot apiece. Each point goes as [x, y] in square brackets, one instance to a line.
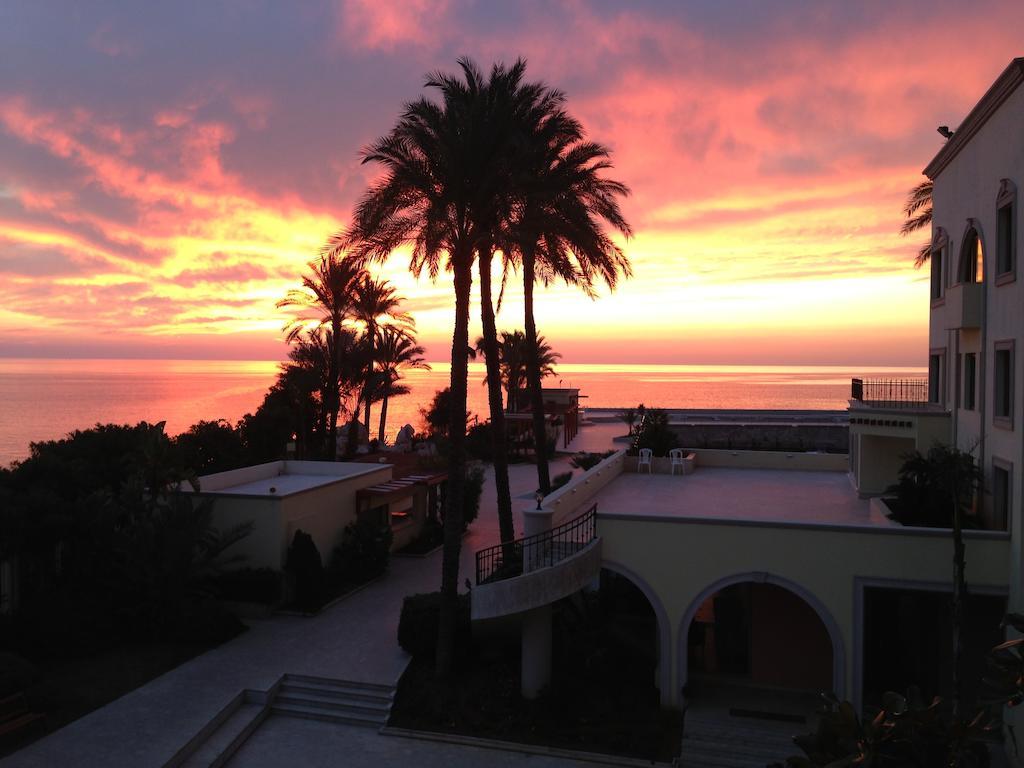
[558, 231]
[512, 356]
[374, 302]
[325, 301]
[917, 211]
[396, 351]
[441, 171]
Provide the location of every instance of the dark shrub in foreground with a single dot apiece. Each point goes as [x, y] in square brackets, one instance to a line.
[361, 556]
[417, 627]
[252, 585]
[307, 570]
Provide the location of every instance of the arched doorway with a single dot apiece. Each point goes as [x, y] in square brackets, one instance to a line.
[640, 616]
[759, 644]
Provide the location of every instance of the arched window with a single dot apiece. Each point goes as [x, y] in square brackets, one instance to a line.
[972, 257]
[939, 259]
[1006, 234]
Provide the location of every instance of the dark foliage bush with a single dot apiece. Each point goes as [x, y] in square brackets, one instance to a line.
[931, 485]
[587, 461]
[16, 674]
[252, 585]
[478, 442]
[656, 434]
[307, 571]
[361, 556]
[474, 490]
[417, 626]
[211, 446]
[560, 479]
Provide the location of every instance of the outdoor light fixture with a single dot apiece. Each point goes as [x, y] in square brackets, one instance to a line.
[539, 497]
[944, 130]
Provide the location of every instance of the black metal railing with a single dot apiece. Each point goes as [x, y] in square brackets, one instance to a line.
[890, 393]
[504, 561]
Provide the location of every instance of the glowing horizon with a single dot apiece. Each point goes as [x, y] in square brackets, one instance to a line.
[157, 205]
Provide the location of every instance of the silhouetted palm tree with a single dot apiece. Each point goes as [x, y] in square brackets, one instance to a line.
[442, 169]
[918, 212]
[374, 302]
[395, 351]
[558, 230]
[325, 300]
[512, 357]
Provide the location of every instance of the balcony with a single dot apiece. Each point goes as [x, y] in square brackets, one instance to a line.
[909, 394]
[964, 306]
[536, 570]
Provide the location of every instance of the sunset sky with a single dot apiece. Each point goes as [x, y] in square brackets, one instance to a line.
[166, 170]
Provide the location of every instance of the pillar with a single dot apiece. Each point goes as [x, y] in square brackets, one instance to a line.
[536, 633]
[536, 651]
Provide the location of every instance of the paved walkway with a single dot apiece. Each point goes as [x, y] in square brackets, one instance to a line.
[353, 640]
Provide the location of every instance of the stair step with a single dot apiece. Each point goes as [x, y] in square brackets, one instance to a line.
[736, 753]
[218, 748]
[328, 715]
[329, 682]
[340, 691]
[333, 702]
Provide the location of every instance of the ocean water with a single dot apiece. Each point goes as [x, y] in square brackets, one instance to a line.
[44, 399]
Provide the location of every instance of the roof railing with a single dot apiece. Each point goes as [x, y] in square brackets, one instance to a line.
[514, 558]
[890, 393]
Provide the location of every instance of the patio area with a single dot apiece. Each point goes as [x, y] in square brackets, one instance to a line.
[756, 495]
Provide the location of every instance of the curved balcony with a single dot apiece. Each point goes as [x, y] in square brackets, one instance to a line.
[537, 570]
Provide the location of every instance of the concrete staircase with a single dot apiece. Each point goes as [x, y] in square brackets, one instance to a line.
[314, 698]
[220, 738]
[729, 742]
[337, 701]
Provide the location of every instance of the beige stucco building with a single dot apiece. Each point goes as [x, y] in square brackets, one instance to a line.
[806, 532]
[319, 497]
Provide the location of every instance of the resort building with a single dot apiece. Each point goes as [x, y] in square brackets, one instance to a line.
[770, 573]
[318, 497]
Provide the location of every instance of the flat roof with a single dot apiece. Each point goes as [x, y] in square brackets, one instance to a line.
[279, 479]
[281, 485]
[753, 495]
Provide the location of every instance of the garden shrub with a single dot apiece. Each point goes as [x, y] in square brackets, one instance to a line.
[417, 626]
[478, 442]
[16, 674]
[361, 556]
[474, 490]
[587, 461]
[561, 479]
[656, 434]
[251, 585]
[307, 571]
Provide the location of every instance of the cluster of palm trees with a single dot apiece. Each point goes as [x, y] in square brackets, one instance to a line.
[350, 343]
[495, 168]
[513, 353]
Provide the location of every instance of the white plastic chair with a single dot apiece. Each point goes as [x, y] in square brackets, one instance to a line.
[645, 458]
[676, 456]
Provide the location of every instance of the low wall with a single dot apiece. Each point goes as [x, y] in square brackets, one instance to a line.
[815, 462]
[773, 436]
[573, 497]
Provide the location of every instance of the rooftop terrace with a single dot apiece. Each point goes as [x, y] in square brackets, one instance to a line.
[753, 495]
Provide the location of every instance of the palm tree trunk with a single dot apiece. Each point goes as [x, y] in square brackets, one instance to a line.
[383, 418]
[366, 412]
[448, 614]
[499, 438]
[540, 435]
[334, 385]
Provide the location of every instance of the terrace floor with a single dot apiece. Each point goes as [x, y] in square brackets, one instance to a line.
[758, 495]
